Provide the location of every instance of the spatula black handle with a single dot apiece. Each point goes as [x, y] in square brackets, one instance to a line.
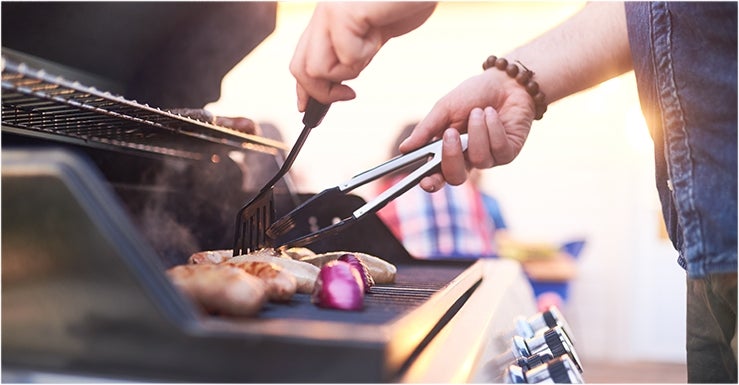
[314, 113]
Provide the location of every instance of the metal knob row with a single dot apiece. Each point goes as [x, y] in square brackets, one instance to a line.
[542, 351]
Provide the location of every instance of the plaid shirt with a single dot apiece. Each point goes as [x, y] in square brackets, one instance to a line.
[451, 223]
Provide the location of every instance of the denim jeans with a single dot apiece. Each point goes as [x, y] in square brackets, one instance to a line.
[712, 305]
[685, 63]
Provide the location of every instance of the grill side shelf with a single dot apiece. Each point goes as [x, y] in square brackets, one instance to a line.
[39, 104]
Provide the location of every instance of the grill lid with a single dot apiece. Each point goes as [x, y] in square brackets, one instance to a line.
[37, 103]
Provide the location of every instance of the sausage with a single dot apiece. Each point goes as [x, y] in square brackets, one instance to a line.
[281, 285]
[220, 289]
[380, 270]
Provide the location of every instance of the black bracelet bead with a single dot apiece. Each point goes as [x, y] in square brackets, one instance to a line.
[524, 77]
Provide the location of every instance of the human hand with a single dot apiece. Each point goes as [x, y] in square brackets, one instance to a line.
[340, 41]
[241, 124]
[493, 109]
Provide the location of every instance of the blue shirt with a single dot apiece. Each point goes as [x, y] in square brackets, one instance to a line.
[686, 70]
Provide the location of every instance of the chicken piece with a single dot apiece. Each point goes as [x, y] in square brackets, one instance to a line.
[220, 289]
[210, 256]
[281, 285]
[298, 252]
[305, 273]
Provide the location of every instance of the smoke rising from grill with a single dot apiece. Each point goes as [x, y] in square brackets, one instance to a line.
[191, 206]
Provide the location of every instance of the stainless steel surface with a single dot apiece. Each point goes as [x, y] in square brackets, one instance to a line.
[463, 349]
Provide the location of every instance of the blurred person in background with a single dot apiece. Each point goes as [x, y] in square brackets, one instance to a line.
[452, 223]
[684, 56]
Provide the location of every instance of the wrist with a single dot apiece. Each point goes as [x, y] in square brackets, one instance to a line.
[523, 77]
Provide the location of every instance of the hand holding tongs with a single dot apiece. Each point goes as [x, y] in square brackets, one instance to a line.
[431, 152]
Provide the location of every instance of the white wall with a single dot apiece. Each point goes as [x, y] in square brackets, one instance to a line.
[586, 169]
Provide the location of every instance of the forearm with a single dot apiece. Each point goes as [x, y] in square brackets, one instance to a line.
[587, 49]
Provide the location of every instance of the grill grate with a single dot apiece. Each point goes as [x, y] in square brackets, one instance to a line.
[413, 287]
[37, 103]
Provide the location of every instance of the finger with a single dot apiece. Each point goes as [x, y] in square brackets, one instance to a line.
[245, 125]
[453, 164]
[302, 97]
[432, 183]
[324, 92]
[427, 129]
[478, 151]
[340, 92]
[324, 63]
[308, 70]
[501, 150]
[353, 54]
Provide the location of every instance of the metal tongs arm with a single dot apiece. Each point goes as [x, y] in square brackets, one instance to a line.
[431, 152]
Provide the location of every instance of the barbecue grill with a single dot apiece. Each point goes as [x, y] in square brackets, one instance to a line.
[101, 194]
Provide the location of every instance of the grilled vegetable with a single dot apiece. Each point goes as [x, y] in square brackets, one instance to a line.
[339, 286]
[357, 263]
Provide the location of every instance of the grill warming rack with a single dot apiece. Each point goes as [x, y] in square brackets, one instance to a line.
[40, 104]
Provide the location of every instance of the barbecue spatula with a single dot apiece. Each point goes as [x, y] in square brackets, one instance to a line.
[431, 154]
[257, 215]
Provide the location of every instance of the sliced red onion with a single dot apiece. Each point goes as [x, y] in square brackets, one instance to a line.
[361, 267]
[338, 286]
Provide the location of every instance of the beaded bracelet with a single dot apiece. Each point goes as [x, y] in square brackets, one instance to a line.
[522, 77]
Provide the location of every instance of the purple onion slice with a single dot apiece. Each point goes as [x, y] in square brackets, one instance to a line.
[338, 286]
[361, 267]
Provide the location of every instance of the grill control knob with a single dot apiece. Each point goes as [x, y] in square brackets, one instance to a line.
[554, 343]
[542, 321]
[559, 370]
[533, 361]
[515, 375]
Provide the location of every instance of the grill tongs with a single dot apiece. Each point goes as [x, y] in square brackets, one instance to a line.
[431, 153]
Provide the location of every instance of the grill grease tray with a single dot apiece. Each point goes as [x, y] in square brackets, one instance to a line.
[39, 104]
